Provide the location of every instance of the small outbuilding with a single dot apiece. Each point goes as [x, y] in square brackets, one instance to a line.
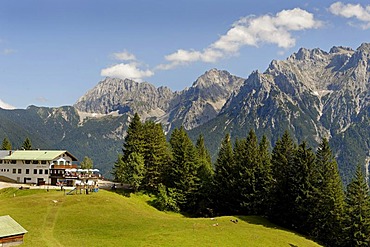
[11, 233]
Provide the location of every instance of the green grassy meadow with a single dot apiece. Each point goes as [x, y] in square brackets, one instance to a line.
[110, 219]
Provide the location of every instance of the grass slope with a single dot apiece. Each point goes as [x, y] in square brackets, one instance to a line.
[109, 219]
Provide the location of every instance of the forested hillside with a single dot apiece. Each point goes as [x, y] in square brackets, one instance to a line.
[293, 185]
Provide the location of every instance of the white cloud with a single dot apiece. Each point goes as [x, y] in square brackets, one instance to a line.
[126, 70]
[9, 51]
[42, 99]
[124, 56]
[180, 57]
[356, 11]
[251, 31]
[4, 105]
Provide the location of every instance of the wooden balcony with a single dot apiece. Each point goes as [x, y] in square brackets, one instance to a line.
[63, 166]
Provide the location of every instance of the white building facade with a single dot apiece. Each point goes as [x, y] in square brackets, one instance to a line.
[35, 166]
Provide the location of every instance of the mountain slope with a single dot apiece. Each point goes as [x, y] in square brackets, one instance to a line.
[191, 107]
[203, 101]
[313, 94]
[61, 128]
[124, 96]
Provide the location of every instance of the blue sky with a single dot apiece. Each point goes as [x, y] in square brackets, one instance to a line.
[53, 51]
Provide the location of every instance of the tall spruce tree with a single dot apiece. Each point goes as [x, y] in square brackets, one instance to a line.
[205, 163]
[282, 157]
[130, 171]
[300, 188]
[326, 215]
[239, 173]
[205, 174]
[264, 179]
[133, 143]
[224, 183]
[134, 140]
[357, 212]
[249, 177]
[183, 174]
[6, 145]
[157, 155]
[145, 141]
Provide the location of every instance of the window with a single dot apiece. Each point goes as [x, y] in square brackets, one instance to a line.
[19, 171]
[13, 162]
[1, 161]
[28, 162]
[43, 162]
[34, 171]
[40, 171]
[14, 170]
[35, 162]
[46, 171]
[27, 171]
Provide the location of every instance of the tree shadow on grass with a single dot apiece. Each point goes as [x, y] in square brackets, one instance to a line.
[123, 192]
[259, 220]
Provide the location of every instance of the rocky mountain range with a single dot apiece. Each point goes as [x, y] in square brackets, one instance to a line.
[190, 107]
[312, 94]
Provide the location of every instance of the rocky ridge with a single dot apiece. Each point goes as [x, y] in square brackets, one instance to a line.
[312, 94]
[190, 107]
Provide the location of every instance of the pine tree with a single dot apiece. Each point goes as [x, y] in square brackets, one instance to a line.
[119, 170]
[27, 145]
[239, 173]
[205, 163]
[205, 174]
[357, 212]
[156, 155]
[134, 140]
[282, 157]
[6, 145]
[183, 174]
[86, 163]
[224, 192]
[248, 169]
[263, 178]
[133, 143]
[130, 171]
[326, 215]
[300, 188]
[145, 141]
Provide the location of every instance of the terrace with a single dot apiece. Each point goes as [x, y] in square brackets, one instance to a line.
[64, 166]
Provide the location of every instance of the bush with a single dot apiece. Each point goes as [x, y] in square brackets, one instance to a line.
[167, 199]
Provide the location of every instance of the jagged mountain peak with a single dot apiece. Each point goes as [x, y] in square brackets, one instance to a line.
[212, 77]
[113, 94]
[203, 101]
[331, 89]
[364, 47]
[307, 54]
[341, 49]
[312, 94]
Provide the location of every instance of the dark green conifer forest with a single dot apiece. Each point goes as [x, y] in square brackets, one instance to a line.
[292, 185]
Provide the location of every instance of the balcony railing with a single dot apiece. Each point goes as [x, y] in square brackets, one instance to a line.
[63, 166]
